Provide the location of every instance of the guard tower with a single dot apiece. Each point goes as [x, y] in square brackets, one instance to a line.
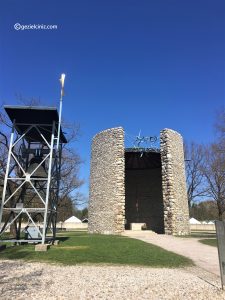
[31, 184]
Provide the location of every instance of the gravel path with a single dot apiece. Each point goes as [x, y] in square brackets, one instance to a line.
[203, 256]
[21, 280]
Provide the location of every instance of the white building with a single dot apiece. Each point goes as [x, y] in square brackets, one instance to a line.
[73, 219]
[194, 221]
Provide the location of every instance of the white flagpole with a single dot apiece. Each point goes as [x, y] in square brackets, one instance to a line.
[62, 80]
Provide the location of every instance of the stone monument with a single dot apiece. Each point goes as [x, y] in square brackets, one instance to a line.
[128, 187]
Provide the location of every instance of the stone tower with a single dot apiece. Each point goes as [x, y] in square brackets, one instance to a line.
[127, 187]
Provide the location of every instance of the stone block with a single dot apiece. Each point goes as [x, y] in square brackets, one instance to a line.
[137, 226]
[42, 247]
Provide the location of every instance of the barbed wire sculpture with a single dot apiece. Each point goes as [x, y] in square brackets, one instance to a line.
[143, 143]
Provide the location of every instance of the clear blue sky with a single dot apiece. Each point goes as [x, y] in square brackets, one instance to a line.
[138, 64]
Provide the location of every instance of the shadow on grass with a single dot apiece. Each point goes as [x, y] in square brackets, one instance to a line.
[17, 252]
[62, 238]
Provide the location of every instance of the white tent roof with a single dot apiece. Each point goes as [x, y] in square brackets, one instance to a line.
[73, 219]
[194, 221]
[210, 222]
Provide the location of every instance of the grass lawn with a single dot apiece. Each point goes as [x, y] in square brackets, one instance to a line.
[80, 248]
[210, 242]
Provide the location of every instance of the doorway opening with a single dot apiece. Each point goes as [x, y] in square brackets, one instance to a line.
[143, 189]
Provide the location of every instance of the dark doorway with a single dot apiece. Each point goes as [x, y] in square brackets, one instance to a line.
[143, 189]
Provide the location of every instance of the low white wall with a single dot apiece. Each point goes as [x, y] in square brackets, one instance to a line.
[202, 227]
[72, 226]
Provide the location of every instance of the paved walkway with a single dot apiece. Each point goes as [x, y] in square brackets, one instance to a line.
[202, 255]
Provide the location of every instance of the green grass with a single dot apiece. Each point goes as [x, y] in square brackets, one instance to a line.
[82, 248]
[210, 242]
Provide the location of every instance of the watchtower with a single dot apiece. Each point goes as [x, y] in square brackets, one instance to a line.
[32, 178]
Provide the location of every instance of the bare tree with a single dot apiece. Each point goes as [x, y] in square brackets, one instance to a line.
[70, 206]
[206, 167]
[196, 187]
[71, 162]
[219, 124]
[214, 172]
[80, 200]
[66, 209]
[204, 210]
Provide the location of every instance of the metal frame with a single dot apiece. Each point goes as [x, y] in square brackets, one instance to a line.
[43, 191]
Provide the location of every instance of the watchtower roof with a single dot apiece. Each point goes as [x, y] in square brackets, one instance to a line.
[43, 116]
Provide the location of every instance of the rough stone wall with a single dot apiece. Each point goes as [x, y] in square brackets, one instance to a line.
[107, 189]
[176, 214]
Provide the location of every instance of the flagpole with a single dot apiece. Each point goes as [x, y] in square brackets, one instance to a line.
[62, 79]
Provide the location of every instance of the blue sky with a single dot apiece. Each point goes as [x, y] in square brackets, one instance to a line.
[137, 64]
